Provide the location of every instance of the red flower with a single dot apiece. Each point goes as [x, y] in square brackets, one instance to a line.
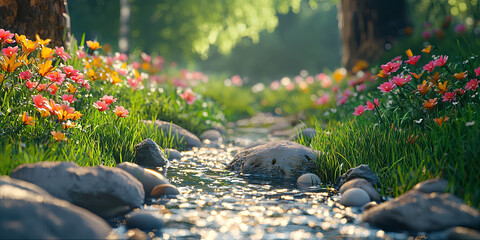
[391, 67]
[477, 71]
[6, 36]
[9, 51]
[429, 66]
[448, 97]
[441, 61]
[70, 71]
[472, 85]
[25, 75]
[413, 60]
[188, 96]
[56, 77]
[39, 101]
[401, 81]
[69, 98]
[386, 87]
[121, 111]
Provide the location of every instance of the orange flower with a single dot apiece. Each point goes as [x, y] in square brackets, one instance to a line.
[339, 74]
[409, 53]
[94, 45]
[424, 87]
[71, 88]
[9, 64]
[41, 41]
[360, 65]
[121, 111]
[45, 68]
[27, 120]
[68, 124]
[427, 49]
[434, 78]
[460, 76]
[64, 113]
[115, 78]
[382, 74]
[58, 136]
[43, 112]
[440, 120]
[442, 87]
[46, 53]
[76, 115]
[417, 76]
[430, 104]
[2, 76]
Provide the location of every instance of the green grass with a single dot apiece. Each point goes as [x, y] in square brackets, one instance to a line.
[449, 151]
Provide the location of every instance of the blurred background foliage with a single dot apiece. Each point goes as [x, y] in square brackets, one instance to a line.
[258, 40]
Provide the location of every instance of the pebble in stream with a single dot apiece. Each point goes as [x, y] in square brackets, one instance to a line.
[215, 203]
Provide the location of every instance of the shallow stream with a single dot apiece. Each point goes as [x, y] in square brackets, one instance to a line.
[216, 203]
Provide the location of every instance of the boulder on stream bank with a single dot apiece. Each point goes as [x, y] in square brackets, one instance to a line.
[186, 138]
[29, 212]
[148, 154]
[149, 178]
[282, 159]
[106, 191]
[419, 211]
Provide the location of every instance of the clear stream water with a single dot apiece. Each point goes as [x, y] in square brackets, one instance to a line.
[219, 204]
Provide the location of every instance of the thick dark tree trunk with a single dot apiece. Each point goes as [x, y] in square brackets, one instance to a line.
[47, 18]
[368, 26]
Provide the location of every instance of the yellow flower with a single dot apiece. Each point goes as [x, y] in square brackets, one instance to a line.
[92, 75]
[46, 53]
[339, 74]
[45, 68]
[94, 45]
[41, 41]
[58, 136]
[43, 112]
[115, 78]
[71, 88]
[27, 120]
[9, 64]
[76, 115]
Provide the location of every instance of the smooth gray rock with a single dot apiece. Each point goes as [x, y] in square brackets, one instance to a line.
[307, 134]
[433, 185]
[136, 234]
[282, 159]
[363, 184]
[308, 180]
[106, 191]
[183, 136]
[29, 212]
[211, 134]
[148, 154]
[354, 197]
[164, 190]
[143, 220]
[362, 171]
[173, 154]
[369, 205]
[147, 177]
[416, 211]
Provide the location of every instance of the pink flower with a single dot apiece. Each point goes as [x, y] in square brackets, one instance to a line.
[6, 36]
[335, 89]
[108, 99]
[396, 59]
[275, 85]
[101, 106]
[86, 85]
[472, 85]
[342, 100]
[60, 51]
[448, 97]
[81, 54]
[401, 81]
[77, 78]
[322, 100]
[122, 57]
[188, 96]
[441, 61]
[413, 60]
[69, 98]
[386, 87]
[391, 67]
[426, 35]
[477, 71]
[460, 28]
[146, 57]
[361, 87]
[237, 80]
[70, 71]
[376, 102]
[9, 51]
[429, 66]
[359, 110]
[25, 75]
[56, 76]
[136, 65]
[459, 91]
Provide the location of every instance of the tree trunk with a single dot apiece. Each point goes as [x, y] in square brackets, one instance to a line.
[368, 26]
[123, 43]
[47, 18]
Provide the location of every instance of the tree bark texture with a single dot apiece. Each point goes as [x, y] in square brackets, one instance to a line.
[47, 18]
[368, 26]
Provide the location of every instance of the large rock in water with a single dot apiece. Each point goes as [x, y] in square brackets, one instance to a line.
[148, 154]
[105, 191]
[29, 212]
[417, 211]
[147, 177]
[282, 159]
[188, 139]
